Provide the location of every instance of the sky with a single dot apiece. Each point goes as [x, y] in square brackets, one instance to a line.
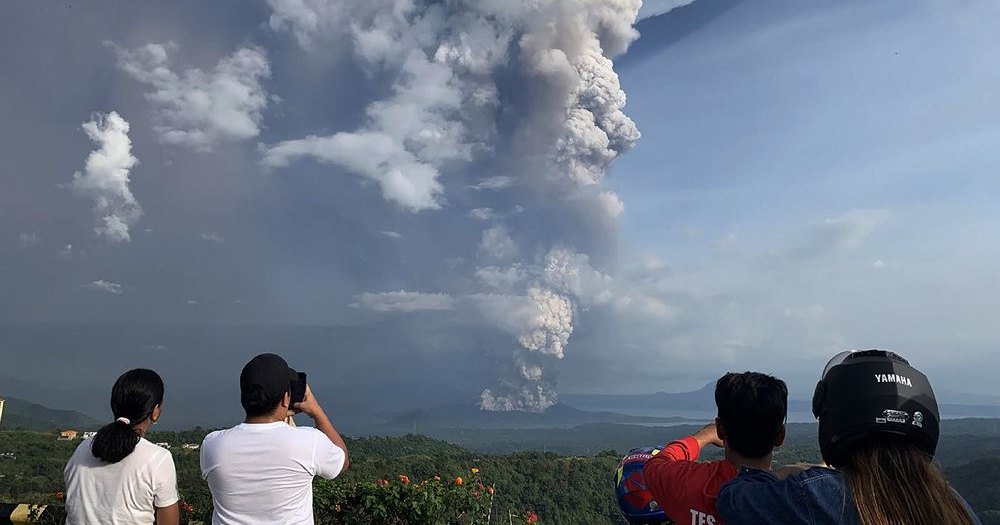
[497, 200]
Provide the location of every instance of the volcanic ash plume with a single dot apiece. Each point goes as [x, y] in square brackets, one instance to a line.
[105, 177]
[524, 90]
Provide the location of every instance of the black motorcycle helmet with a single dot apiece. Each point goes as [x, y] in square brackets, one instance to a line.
[869, 392]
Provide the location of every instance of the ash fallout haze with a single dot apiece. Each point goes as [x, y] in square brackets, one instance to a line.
[494, 202]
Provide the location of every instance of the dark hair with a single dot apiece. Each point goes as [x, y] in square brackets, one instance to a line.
[752, 408]
[133, 397]
[257, 403]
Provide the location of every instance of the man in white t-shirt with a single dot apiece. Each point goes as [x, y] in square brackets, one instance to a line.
[261, 471]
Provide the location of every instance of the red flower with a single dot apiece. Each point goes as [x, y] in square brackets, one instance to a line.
[59, 494]
[404, 478]
[530, 517]
[458, 480]
[383, 482]
[490, 490]
[186, 507]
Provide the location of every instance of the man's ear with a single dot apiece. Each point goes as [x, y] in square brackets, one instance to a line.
[286, 400]
[780, 439]
[720, 430]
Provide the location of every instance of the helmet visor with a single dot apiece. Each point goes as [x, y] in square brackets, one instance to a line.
[836, 360]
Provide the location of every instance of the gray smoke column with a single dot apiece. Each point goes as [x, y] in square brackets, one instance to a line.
[524, 90]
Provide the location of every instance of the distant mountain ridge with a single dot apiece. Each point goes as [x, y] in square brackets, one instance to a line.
[18, 413]
[471, 416]
[703, 399]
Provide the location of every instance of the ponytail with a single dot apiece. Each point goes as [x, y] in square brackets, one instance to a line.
[135, 394]
[114, 442]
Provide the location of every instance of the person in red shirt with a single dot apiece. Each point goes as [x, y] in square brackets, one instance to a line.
[750, 424]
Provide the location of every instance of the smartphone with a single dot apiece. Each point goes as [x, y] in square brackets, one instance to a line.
[297, 389]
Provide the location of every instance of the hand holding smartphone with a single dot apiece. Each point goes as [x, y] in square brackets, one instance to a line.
[297, 389]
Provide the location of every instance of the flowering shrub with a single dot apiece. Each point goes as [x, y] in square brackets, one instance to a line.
[411, 502]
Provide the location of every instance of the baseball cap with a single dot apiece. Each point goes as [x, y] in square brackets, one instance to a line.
[266, 373]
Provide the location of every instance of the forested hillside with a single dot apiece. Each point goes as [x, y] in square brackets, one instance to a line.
[415, 479]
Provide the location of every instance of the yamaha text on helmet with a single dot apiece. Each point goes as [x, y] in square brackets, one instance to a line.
[870, 392]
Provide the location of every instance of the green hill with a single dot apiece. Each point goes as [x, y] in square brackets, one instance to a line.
[18, 413]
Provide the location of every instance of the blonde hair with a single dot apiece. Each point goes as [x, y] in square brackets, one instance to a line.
[895, 483]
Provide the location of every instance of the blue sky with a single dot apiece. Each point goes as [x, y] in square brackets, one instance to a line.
[879, 121]
[459, 192]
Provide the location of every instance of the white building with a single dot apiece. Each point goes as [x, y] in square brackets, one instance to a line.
[89, 435]
[1, 409]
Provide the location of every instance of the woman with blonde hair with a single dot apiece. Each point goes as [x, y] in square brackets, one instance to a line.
[878, 430]
[119, 477]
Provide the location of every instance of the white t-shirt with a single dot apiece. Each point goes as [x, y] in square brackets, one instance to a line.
[262, 473]
[127, 492]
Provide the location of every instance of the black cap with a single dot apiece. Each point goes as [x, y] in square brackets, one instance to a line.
[267, 373]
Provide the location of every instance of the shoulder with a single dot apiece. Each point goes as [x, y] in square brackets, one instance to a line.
[153, 452]
[305, 434]
[753, 484]
[217, 435]
[82, 453]
[817, 476]
[84, 446]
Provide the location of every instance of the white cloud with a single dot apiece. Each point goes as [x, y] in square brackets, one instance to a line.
[659, 7]
[879, 264]
[66, 252]
[211, 237]
[495, 183]
[306, 19]
[501, 278]
[199, 109]
[498, 244]
[403, 301]
[837, 234]
[481, 214]
[106, 286]
[105, 177]
[29, 239]
[391, 234]
[403, 178]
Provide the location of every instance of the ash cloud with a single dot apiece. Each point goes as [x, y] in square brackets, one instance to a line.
[105, 177]
[523, 91]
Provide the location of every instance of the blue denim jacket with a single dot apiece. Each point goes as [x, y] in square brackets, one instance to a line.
[818, 496]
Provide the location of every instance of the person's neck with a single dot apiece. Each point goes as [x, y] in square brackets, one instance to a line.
[143, 427]
[739, 460]
[274, 417]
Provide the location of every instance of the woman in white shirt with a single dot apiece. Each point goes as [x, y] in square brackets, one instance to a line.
[119, 477]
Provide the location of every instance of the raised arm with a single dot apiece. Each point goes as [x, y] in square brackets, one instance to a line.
[311, 407]
[668, 472]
